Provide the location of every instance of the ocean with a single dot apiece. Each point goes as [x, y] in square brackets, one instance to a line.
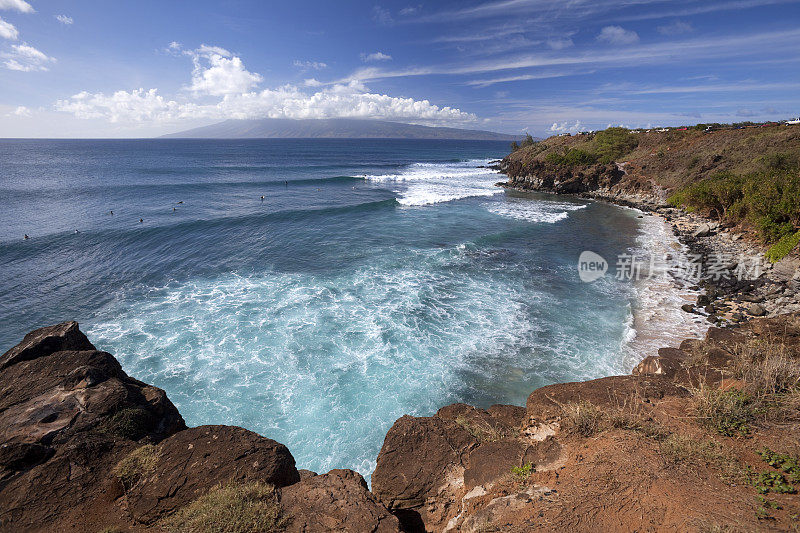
[375, 278]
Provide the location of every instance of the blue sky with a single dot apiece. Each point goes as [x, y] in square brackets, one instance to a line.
[83, 68]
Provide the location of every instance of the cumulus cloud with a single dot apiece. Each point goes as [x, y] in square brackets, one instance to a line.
[315, 65]
[19, 5]
[341, 100]
[375, 56]
[217, 72]
[8, 31]
[22, 111]
[618, 35]
[63, 19]
[676, 28]
[25, 58]
[565, 127]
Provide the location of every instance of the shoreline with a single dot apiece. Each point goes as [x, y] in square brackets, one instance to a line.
[765, 290]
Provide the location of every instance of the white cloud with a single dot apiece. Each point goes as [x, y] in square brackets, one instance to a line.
[217, 72]
[351, 100]
[22, 111]
[312, 82]
[410, 10]
[565, 127]
[380, 15]
[618, 35]
[8, 31]
[26, 58]
[63, 19]
[375, 56]
[676, 28]
[316, 65]
[560, 44]
[20, 5]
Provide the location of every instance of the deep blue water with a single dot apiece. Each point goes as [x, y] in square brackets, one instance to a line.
[375, 279]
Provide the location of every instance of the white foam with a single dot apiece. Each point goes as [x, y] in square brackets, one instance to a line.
[533, 210]
[657, 318]
[431, 183]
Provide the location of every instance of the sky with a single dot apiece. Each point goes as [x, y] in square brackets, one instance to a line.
[94, 68]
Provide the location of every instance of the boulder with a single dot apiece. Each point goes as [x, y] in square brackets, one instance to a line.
[46, 341]
[756, 309]
[336, 501]
[194, 460]
[420, 469]
[703, 230]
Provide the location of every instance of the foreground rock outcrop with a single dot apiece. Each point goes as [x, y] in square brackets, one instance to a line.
[85, 447]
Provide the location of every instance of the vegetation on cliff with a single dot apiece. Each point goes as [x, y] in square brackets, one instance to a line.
[745, 176]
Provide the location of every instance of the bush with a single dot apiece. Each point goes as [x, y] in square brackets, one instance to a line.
[781, 249]
[137, 465]
[522, 473]
[572, 157]
[234, 508]
[767, 199]
[613, 143]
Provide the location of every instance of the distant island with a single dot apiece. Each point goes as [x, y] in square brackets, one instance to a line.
[332, 128]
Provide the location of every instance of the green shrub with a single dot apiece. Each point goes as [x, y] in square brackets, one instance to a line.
[766, 199]
[781, 249]
[522, 473]
[788, 464]
[234, 508]
[613, 143]
[572, 157]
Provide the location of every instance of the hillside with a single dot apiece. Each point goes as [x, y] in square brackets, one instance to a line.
[749, 177]
[332, 128]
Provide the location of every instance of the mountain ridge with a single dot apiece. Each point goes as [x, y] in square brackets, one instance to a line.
[331, 128]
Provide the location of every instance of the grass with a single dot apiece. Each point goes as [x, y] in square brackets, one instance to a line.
[581, 419]
[693, 453]
[234, 508]
[631, 417]
[484, 432]
[728, 412]
[137, 465]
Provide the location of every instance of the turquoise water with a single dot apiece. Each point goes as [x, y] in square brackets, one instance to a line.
[375, 279]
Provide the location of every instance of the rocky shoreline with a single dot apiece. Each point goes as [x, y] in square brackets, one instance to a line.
[728, 296]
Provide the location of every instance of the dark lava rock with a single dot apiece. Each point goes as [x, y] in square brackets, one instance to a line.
[194, 460]
[336, 501]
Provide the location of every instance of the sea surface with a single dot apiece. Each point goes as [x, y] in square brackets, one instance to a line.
[376, 278]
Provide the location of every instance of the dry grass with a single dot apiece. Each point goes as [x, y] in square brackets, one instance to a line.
[234, 508]
[482, 431]
[694, 454]
[767, 368]
[137, 465]
[582, 418]
[632, 417]
[729, 412]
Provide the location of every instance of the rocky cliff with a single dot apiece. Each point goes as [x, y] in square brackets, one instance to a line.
[701, 437]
